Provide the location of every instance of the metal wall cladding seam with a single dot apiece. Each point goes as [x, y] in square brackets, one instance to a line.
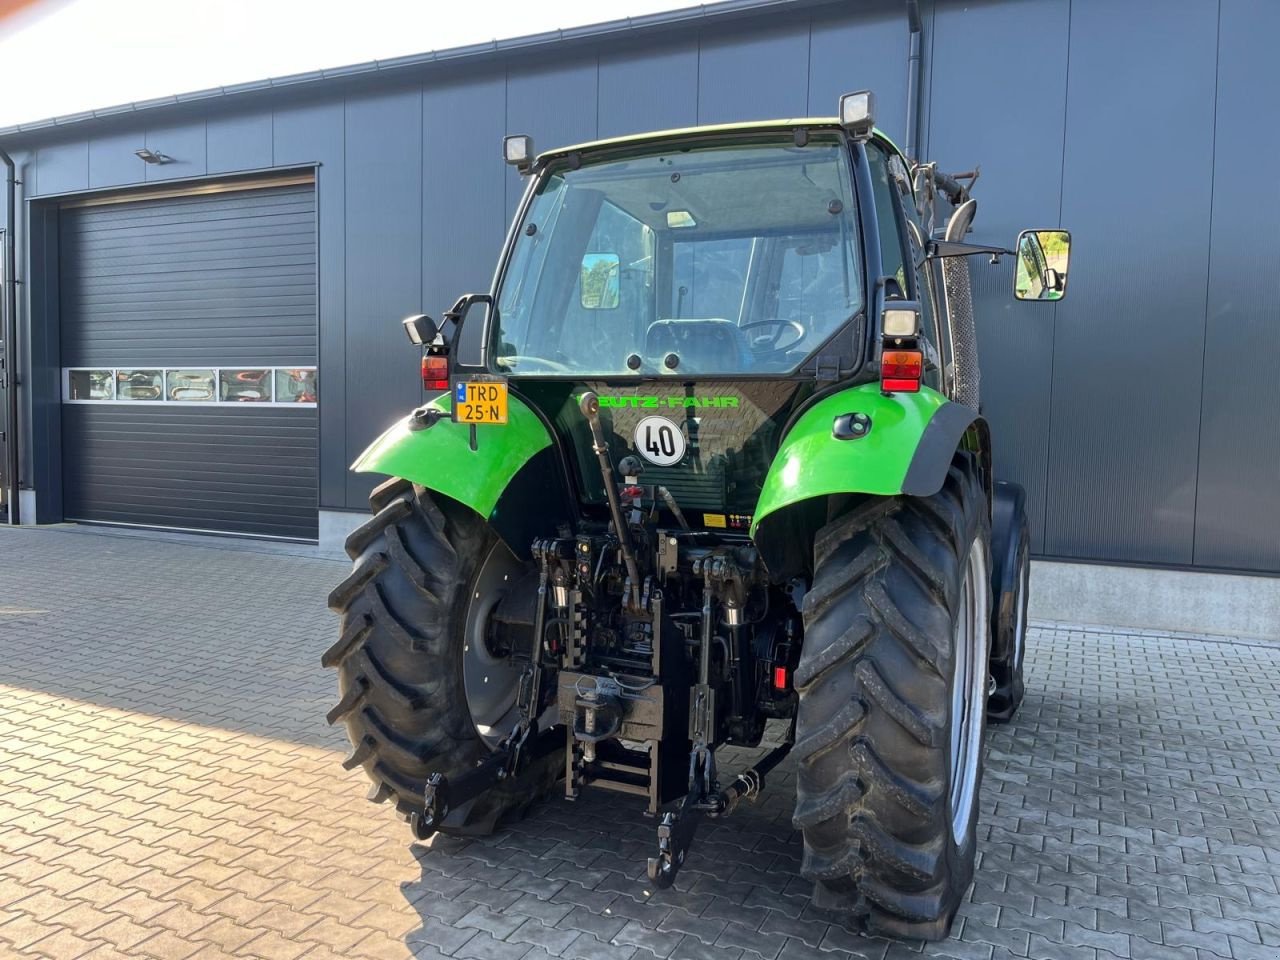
[556, 105]
[1129, 339]
[649, 89]
[384, 245]
[464, 212]
[754, 74]
[1238, 496]
[214, 280]
[238, 470]
[1016, 139]
[863, 53]
[314, 134]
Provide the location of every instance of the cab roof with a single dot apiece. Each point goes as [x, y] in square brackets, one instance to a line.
[711, 130]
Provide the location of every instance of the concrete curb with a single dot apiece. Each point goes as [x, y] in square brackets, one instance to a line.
[1165, 601]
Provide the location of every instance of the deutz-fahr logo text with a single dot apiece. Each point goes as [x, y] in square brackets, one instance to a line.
[656, 402]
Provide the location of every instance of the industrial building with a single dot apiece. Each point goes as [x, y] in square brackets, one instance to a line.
[209, 285]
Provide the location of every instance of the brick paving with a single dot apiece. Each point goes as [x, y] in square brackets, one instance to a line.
[168, 789]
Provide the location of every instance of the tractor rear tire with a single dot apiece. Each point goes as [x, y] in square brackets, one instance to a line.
[1010, 586]
[892, 682]
[400, 657]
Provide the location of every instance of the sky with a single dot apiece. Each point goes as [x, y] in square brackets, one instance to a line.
[66, 56]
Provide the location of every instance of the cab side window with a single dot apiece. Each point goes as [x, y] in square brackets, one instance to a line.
[926, 276]
[902, 243]
[892, 253]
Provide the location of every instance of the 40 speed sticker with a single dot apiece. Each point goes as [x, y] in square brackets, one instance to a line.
[659, 441]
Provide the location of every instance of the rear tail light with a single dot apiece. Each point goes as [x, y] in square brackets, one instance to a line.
[435, 372]
[900, 371]
[779, 678]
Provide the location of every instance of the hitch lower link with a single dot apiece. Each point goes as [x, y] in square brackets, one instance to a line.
[441, 795]
[723, 583]
[677, 827]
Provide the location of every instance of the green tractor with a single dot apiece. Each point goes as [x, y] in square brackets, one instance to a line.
[708, 455]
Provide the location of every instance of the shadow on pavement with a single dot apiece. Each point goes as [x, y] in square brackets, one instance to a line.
[201, 634]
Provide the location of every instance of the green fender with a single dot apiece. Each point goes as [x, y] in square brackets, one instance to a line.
[440, 458]
[908, 448]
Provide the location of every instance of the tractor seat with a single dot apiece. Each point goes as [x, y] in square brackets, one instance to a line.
[703, 345]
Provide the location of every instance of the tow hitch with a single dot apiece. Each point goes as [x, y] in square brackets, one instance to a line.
[676, 829]
[442, 794]
[723, 588]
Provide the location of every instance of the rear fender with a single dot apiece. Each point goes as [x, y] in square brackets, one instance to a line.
[511, 477]
[906, 448]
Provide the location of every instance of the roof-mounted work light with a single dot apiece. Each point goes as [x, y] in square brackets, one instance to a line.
[857, 113]
[517, 150]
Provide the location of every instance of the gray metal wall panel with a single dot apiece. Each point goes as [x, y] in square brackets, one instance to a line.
[1129, 341]
[62, 167]
[185, 145]
[112, 160]
[1238, 497]
[220, 279]
[555, 105]
[867, 53]
[1111, 469]
[240, 469]
[754, 74]
[41, 460]
[464, 210]
[384, 268]
[1021, 186]
[315, 133]
[239, 143]
[648, 89]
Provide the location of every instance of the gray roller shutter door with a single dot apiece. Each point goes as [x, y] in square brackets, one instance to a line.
[218, 281]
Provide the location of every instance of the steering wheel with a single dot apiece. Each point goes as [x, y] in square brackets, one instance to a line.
[536, 363]
[766, 344]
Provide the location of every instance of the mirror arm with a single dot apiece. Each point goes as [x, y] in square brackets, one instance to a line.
[451, 319]
[937, 249]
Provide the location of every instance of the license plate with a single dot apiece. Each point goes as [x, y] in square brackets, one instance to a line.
[480, 401]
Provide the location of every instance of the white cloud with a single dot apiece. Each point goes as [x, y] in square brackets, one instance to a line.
[66, 57]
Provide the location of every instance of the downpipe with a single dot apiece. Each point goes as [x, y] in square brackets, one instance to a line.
[913, 77]
[11, 333]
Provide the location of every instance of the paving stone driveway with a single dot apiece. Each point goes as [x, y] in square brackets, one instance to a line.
[168, 788]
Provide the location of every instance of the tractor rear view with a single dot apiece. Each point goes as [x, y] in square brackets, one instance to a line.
[708, 455]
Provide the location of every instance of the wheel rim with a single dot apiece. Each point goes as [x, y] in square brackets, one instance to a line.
[1020, 615]
[489, 678]
[967, 691]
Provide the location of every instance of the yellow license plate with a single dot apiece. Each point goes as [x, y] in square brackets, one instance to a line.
[480, 401]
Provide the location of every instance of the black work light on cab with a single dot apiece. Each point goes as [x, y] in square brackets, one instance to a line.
[517, 151]
[423, 332]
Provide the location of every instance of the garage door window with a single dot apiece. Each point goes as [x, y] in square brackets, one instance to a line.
[139, 384]
[190, 386]
[296, 386]
[291, 386]
[91, 385]
[245, 386]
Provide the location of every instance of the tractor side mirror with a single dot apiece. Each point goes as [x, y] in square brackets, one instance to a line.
[1043, 257]
[420, 329]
